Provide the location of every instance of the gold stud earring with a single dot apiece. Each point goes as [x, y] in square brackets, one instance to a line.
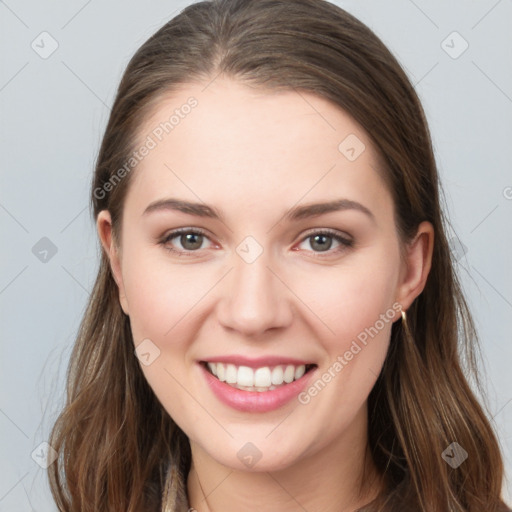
[405, 327]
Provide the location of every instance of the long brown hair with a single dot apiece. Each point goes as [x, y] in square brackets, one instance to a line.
[118, 448]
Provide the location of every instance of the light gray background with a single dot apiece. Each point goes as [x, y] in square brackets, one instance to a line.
[53, 113]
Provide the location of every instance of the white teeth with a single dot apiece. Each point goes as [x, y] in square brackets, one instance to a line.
[289, 374]
[221, 372]
[245, 376]
[262, 377]
[277, 375]
[259, 379]
[300, 371]
[231, 373]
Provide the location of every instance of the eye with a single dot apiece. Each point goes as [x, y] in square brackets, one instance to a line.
[322, 241]
[191, 240]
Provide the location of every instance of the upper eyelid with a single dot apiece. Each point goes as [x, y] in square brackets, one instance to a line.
[328, 231]
[180, 231]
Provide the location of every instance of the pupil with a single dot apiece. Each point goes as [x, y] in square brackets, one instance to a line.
[323, 245]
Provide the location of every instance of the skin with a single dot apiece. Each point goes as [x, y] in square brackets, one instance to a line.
[253, 155]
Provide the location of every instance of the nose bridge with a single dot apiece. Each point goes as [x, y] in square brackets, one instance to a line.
[253, 298]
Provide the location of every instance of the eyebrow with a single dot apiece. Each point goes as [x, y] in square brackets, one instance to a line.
[296, 213]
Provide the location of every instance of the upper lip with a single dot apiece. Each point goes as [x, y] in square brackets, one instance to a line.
[257, 362]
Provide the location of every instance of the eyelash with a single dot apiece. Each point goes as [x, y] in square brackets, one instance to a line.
[345, 243]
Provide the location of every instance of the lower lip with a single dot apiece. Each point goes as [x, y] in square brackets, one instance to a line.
[255, 401]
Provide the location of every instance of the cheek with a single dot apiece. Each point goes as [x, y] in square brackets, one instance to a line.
[357, 309]
[351, 297]
[159, 294]
[163, 304]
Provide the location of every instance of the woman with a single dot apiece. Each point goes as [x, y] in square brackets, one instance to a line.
[274, 325]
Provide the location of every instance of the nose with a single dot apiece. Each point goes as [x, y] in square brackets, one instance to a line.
[254, 299]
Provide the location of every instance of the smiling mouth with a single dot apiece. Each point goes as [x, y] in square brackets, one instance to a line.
[265, 378]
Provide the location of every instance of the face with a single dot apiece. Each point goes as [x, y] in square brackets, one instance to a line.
[295, 300]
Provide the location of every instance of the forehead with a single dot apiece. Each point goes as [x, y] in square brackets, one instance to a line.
[254, 148]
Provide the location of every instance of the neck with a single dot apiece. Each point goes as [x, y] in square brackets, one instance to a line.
[337, 477]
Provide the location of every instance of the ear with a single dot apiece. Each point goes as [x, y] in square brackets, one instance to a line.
[104, 227]
[417, 264]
